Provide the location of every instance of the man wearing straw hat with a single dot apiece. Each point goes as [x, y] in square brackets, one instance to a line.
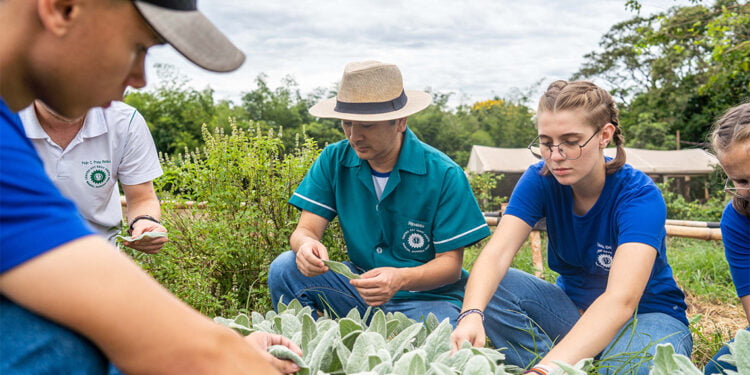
[406, 210]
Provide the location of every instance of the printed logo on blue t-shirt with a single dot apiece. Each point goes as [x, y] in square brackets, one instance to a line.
[604, 256]
[414, 239]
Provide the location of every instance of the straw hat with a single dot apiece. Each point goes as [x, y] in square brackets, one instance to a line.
[371, 91]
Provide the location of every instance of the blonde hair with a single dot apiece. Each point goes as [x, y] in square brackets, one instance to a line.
[730, 130]
[594, 102]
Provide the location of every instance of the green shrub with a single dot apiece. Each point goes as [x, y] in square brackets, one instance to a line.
[482, 185]
[680, 209]
[218, 255]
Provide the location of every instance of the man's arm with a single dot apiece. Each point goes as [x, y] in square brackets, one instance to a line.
[141, 200]
[378, 285]
[138, 324]
[305, 242]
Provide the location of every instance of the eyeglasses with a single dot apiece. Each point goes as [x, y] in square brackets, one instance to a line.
[568, 150]
[729, 187]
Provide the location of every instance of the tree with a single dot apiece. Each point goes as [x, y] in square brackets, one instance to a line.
[682, 68]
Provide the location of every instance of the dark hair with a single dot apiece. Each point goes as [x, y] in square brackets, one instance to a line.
[731, 129]
[594, 102]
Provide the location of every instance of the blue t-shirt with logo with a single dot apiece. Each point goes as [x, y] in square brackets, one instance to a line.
[735, 233]
[34, 216]
[426, 207]
[581, 248]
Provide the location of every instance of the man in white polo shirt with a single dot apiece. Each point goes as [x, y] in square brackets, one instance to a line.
[85, 157]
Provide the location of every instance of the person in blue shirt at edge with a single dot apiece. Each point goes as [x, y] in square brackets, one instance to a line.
[68, 303]
[406, 209]
[605, 222]
[731, 142]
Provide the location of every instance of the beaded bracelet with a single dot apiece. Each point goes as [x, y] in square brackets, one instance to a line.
[469, 312]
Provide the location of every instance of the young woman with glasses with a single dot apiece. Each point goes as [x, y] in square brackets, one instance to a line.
[731, 142]
[615, 298]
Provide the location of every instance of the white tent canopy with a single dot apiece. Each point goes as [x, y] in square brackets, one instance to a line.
[669, 162]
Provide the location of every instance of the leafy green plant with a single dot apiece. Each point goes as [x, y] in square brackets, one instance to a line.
[219, 251]
[482, 185]
[389, 344]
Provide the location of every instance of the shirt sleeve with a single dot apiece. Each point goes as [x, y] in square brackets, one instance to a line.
[527, 200]
[459, 221]
[316, 191]
[34, 216]
[735, 233]
[641, 217]
[140, 162]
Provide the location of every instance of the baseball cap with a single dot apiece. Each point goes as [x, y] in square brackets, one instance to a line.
[180, 24]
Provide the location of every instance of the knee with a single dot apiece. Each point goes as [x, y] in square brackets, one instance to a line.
[281, 266]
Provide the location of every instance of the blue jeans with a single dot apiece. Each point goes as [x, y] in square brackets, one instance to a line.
[714, 366]
[31, 344]
[332, 292]
[528, 316]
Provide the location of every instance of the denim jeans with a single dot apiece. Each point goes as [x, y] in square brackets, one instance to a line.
[714, 366]
[31, 344]
[332, 293]
[528, 315]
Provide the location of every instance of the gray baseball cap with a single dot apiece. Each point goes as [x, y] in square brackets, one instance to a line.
[180, 24]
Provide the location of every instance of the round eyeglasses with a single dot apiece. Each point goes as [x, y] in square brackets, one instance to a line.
[731, 188]
[568, 150]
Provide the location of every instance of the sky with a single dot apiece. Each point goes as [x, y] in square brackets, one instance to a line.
[474, 49]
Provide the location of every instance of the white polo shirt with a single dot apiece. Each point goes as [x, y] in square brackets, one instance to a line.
[113, 145]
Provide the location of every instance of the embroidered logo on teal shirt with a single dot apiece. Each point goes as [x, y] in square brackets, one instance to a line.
[414, 239]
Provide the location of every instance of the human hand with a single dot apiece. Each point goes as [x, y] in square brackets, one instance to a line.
[263, 340]
[471, 329]
[378, 285]
[148, 245]
[310, 256]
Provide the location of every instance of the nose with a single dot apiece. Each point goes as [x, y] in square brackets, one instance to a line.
[557, 154]
[137, 75]
[355, 133]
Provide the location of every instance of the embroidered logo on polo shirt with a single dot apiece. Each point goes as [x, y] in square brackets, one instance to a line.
[414, 239]
[97, 176]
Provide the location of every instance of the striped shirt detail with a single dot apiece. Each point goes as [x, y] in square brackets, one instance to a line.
[315, 203]
[461, 235]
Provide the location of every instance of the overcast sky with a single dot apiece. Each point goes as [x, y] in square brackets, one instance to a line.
[476, 49]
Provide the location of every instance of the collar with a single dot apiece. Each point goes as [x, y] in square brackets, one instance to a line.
[94, 124]
[411, 158]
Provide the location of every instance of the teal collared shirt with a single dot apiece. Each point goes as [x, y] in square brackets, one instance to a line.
[427, 207]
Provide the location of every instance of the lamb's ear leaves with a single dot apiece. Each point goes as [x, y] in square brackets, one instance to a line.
[341, 269]
[282, 352]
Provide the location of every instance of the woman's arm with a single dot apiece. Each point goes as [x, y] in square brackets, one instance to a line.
[630, 272]
[489, 268]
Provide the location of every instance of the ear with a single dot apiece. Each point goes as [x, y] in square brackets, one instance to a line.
[57, 15]
[401, 124]
[608, 132]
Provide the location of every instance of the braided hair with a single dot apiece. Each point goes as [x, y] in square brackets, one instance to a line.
[733, 128]
[594, 102]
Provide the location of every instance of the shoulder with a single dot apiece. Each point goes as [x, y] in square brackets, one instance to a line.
[630, 180]
[731, 219]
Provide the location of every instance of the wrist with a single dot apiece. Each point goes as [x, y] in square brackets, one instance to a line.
[539, 370]
[141, 218]
[469, 312]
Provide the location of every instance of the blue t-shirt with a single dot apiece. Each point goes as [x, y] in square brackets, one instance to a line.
[581, 248]
[735, 233]
[427, 207]
[34, 216]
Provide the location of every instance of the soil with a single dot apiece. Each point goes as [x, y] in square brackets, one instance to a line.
[719, 323]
